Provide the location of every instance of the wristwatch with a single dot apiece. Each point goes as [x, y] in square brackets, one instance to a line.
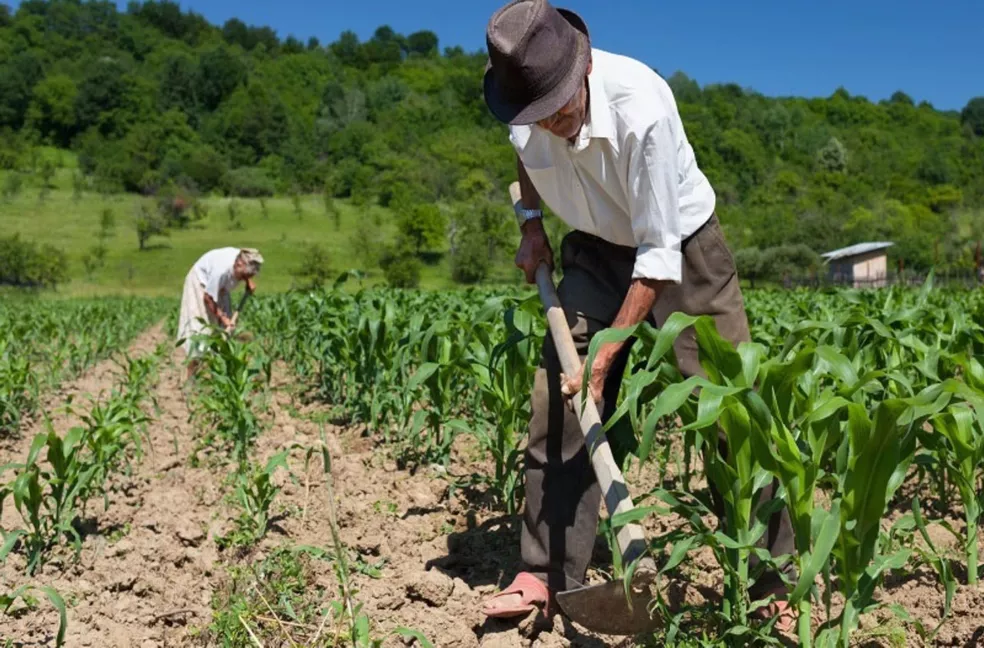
[524, 215]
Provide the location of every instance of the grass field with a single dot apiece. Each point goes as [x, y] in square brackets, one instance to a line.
[281, 236]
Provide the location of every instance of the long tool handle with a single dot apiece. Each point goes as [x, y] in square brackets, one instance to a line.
[631, 539]
[239, 306]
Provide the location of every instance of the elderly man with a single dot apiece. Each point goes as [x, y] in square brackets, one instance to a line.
[207, 293]
[598, 137]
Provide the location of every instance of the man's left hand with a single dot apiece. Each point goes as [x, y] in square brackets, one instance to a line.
[570, 386]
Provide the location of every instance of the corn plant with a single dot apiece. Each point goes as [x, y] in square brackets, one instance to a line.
[43, 343]
[112, 437]
[957, 446]
[230, 382]
[432, 429]
[51, 489]
[803, 422]
[48, 499]
[18, 388]
[254, 493]
[504, 374]
[23, 593]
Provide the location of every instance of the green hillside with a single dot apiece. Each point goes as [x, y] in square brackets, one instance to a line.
[394, 132]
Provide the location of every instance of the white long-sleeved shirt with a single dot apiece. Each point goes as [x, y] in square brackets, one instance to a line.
[631, 177]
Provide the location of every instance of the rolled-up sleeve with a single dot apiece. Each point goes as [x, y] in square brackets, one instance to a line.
[654, 204]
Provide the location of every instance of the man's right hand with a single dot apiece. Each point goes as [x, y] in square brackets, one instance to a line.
[533, 249]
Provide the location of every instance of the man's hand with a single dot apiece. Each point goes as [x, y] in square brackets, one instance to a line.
[638, 303]
[570, 386]
[533, 249]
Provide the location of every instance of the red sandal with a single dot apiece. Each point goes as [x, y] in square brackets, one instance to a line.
[786, 623]
[534, 595]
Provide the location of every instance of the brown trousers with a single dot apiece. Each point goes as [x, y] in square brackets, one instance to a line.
[560, 520]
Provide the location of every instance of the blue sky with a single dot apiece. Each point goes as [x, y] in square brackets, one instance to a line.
[870, 47]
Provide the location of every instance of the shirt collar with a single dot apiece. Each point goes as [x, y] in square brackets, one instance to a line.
[599, 125]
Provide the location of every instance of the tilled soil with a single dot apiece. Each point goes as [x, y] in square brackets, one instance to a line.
[144, 576]
[151, 565]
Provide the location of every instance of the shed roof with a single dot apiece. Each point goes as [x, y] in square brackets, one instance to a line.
[854, 250]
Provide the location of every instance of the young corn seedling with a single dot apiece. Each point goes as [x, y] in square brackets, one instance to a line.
[432, 429]
[48, 500]
[255, 492]
[18, 388]
[112, 438]
[504, 372]
[959, 445]
[880, 450]
[22, 593]
[231, 382]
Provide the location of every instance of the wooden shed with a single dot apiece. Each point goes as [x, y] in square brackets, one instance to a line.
[864, 265]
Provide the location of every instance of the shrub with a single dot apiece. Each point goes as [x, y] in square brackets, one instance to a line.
[248, 182]
[470, 262]
[177, 205]
[27, 265]
[424, 226]
[206, 167]
[13, 182]
[315, 267]
[148, 222]
[401, 268]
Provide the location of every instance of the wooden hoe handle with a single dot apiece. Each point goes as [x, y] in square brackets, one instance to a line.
[631, 539]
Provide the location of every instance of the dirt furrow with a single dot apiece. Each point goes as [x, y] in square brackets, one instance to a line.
[145, 570]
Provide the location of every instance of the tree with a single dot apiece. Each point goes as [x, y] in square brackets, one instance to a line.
[400, 267]
[348, 50]
[205, 167]
[178, 83]
[685, 89]
[17, 79]
[314, 269]
[788, 261]
[899, 97]
[111, 99]
[422, 43]
[748, 263]
[148, 222]
[293, 46]
[220, 73]
[833, 156]
[972, 116]
[52, 110]
[26, 264]
[423, 227]
[470, 262]
[253, 123]
[235, 32]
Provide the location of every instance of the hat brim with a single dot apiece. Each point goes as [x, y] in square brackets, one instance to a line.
[529, 113]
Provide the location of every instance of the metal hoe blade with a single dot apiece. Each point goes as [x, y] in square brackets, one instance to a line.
[604, 608]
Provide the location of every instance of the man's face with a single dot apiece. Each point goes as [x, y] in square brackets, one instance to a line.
[239, 269]
[566, 122]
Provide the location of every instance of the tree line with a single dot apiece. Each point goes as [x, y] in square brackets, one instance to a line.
[153, 97]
